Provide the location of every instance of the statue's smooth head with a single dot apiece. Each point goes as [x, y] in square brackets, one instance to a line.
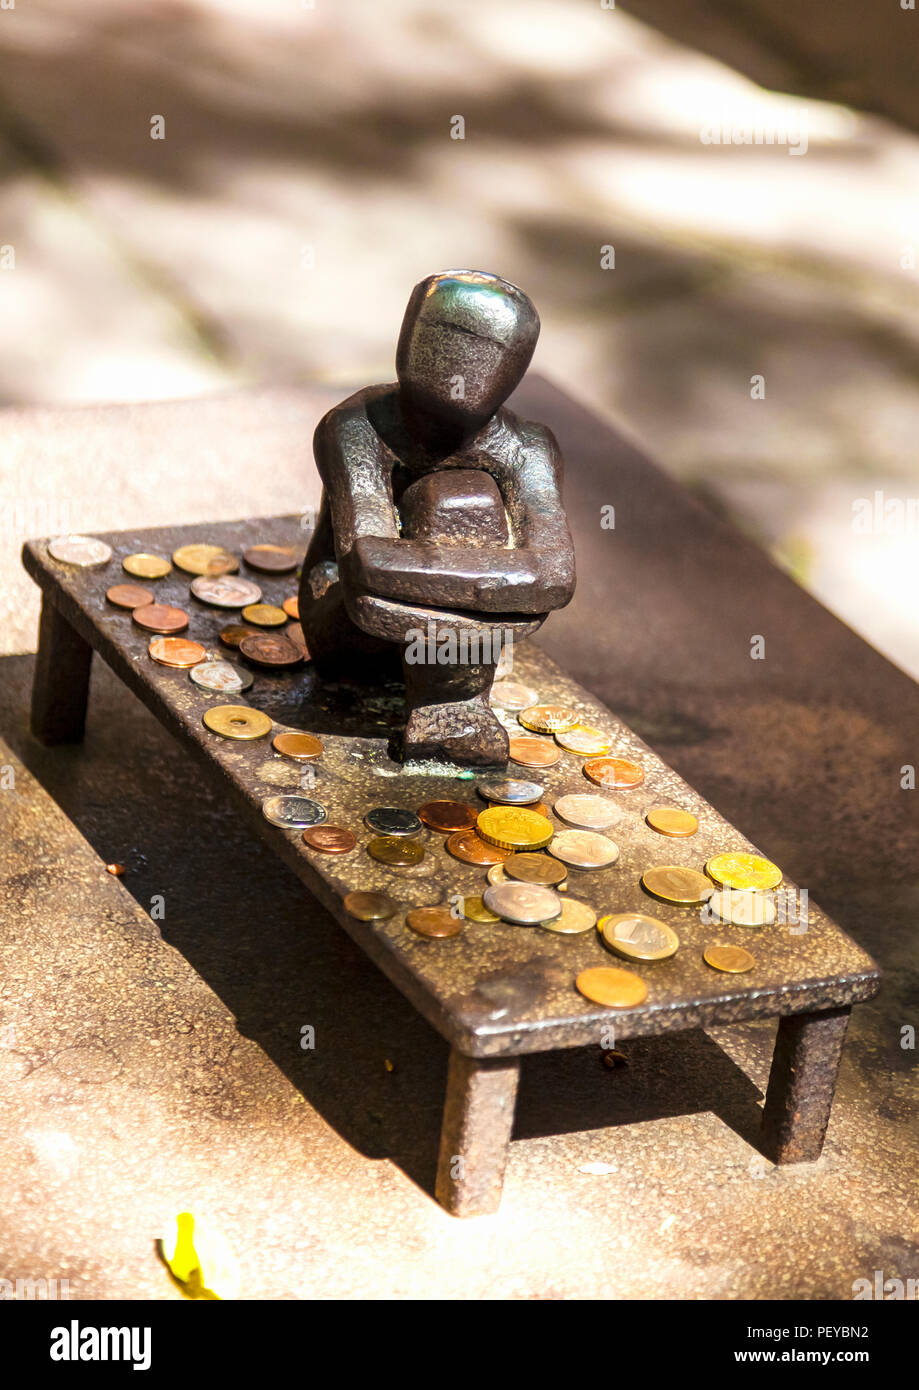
[466, 341]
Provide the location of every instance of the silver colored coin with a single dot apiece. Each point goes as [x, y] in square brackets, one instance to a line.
[510, 792]
[588, 812]
[512, 695]
[221, 676]
[84, 551]
[526, 904]
[497, 875]
[392, 820]
[225, 590]
[743, 909]
[584, 849]
[293, 812]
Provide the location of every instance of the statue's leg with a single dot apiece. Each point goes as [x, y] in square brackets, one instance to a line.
[447, 682]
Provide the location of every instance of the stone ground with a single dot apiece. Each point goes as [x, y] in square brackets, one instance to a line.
[307, 179]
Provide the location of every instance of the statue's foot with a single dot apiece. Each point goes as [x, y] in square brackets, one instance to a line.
[466, 732]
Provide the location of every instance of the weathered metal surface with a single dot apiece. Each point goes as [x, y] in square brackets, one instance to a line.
[802, 1083]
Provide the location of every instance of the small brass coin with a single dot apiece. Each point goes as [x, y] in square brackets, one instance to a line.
[474, 910]
[233, 634]
[615, 989]
[160, 617]
[200, 558]
[221, 677]
[535, 868]
[512, 695]
[637, 937]
[389, 849]
[330, 839]
[526, 904]
[143, 565]
[548, 719]
[674, 884]
[271, 559]
[745, 871]
[587, 742]
[576, 918]
[587, 811]
[743, 909]
[434, 921]
[129, 596]
[392, 820]
[291, 607]
[270, 649]
[514, 827]
[302, 747]
[510, 792]
[176, 651]
[533, 752]
[225, 590]
[539, 807]
[264, 615]
[85, 551]
[369, 907]
[619, 774]
[237, 722]
[584, 849]
[469, 846]
[669, 820]
[293, 812]
[446, 817]
[733, 960]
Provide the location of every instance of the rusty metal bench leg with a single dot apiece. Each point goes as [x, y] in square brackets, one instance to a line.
[478, 1118]
[60, 686]
[801, 1085]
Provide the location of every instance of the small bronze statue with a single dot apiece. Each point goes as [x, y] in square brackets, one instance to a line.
[441, 537]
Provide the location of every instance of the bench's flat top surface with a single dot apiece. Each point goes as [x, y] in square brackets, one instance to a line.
[494, 988]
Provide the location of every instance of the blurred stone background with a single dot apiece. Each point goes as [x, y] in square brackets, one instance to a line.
[308, 178]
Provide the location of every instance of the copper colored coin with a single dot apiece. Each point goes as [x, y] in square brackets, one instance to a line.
[734, 960]
[618, 773]
[200, 558]
[446, 817]
[129, 596]
[264, 615]
[271, 559]
[434, 921]
[270, 649]
[303, 747]
[535, 868]
[533, 752]
[176, 651]
[233, 634]
[395, 850]
[369, 907]
[330, 839]
[159, 617]
[669, 820]
[294, 633]
[615, 989]
[472, 849]
[291, 607]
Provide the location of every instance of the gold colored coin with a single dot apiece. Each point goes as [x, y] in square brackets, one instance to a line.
[638, 937]
[395, 850]
[733, 960]
[615, 989]
[434, 922]
[514, 827]
[674, 884]
[474, 910]
[146, 566]
[234, 633]
[747, 872]
[303, 747]
[291, 607]
[237, 721]
[668, 820]
[205, 559]
[369, 907]
[587, 742]
[548, 719]
[535, 868]
[539, 807]
[576, 917]
[264, 615]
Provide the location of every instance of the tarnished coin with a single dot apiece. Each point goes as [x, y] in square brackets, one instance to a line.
[434, 921]
[264, 615]
[548, 719]
[576, 917]
[496, 873]
[160, 617]
[225, 591]
[638, 937]
[510, 792]
[270, 649]
[533, 752]
[221, 676]
[584, 849]
[176, 651]
[271, 559]
[391, 849]
[291, 607]
[330, 839]
[588, 811]
[617, 773]
[369, 907]
[474, 910]
[392, 820]
[743, 909]
[129, 596]
[582, 739]
[669, 820]
[674, 884]
[446, 817]
[84, 551]
[293, 812]
[512, 695]
[237, 722]
[535, 868]
[733, 960]
[143, 565]
[233, 634]
[302, 747]
[615, 989]
[744, 871]
[468, 846]
[514, 827]
[200, 558]
[525, 904]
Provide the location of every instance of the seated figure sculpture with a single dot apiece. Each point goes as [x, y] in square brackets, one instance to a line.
[441, 518]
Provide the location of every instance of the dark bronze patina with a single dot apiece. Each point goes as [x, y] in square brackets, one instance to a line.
[441, 534]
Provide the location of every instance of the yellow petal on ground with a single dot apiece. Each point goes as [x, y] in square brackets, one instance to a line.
[199, 1258]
